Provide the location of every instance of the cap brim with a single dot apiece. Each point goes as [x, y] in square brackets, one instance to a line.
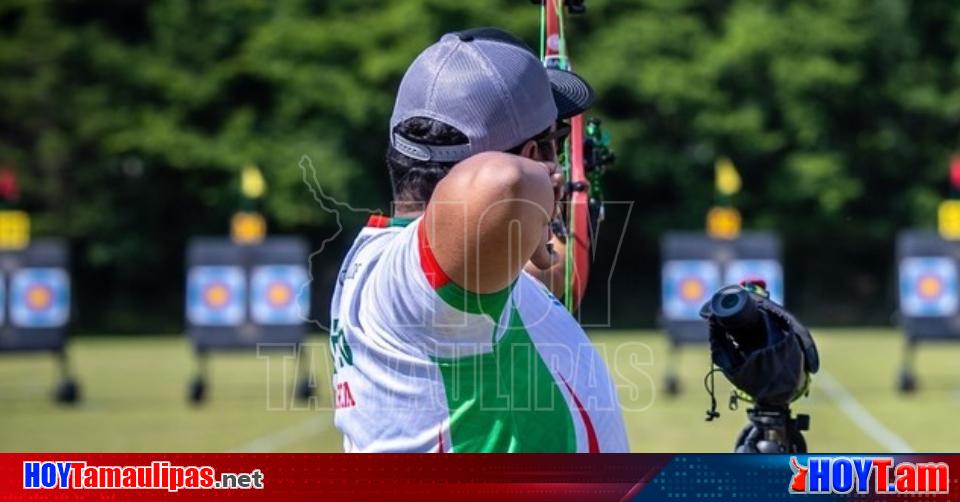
[572, 94]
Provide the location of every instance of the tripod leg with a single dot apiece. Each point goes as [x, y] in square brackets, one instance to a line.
[798, 443]
[742, 437]
[795, 428]
[305, 387]
[747, 442]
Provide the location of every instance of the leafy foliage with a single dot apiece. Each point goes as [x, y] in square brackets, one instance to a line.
[130, 122]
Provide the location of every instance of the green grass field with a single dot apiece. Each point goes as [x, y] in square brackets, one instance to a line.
[135, 399]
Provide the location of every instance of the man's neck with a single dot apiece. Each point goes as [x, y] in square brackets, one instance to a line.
[411, 210]
[407, 215]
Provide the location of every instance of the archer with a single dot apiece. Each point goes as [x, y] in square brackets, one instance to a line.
[445, 340]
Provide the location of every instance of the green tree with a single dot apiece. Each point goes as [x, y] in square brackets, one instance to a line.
[129, 123]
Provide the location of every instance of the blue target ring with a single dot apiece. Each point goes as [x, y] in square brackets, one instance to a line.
[278, 295]
[40, 297]
[928, 287]
[216, 295]
[687, 285]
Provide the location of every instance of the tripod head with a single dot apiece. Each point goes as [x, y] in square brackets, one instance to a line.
[773, 430]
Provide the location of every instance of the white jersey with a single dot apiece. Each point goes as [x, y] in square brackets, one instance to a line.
[421, 365]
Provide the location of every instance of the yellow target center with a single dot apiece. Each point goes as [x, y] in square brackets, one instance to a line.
[217, 296]
[691, 289]
[38, 297]
[929, 287]
[279, 294]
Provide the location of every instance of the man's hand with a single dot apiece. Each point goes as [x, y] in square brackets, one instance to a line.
[545, 256]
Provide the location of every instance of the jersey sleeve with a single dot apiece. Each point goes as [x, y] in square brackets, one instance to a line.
[410, 293]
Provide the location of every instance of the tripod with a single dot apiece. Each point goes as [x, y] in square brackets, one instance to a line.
[773, 430]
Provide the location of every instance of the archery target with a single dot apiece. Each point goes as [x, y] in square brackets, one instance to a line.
[687, 285]
[276, 294]
[928, 287]
[770, 271]
[216, 295]
[40, 297]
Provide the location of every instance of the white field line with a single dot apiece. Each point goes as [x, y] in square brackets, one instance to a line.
[284, 437]
[860, 416]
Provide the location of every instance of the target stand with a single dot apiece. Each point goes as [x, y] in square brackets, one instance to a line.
[929, 295]
[694, 267]
[241, 297]
[35, 307]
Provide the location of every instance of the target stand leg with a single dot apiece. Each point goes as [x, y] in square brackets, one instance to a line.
[67, 390]
[671, 382]
[907, 378]
[197, 390]
[306, 387]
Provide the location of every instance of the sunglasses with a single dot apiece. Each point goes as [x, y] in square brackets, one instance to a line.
[550, 143]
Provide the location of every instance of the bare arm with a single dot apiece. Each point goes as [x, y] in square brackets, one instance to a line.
[489, 216]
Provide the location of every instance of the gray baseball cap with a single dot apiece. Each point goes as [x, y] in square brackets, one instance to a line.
[491, 87]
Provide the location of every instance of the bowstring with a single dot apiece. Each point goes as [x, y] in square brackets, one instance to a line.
[565, 164]
[543, 30]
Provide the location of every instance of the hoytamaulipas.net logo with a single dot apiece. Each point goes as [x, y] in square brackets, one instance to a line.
[875, 475]
[159, 475]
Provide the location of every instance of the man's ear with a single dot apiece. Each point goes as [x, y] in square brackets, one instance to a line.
[530, 150]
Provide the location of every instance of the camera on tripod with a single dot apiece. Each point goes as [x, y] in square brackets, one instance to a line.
[768, 356]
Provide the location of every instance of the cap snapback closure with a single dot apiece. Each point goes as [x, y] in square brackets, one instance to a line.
[436, 153]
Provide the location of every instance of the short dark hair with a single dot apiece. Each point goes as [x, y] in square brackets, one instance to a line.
[413, 180]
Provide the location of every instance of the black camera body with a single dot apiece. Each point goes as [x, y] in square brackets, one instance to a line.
[760, 347]
[769, 356]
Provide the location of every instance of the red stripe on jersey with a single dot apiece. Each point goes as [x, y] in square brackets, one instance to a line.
[593, 446]
[435, 275]
[378, 221]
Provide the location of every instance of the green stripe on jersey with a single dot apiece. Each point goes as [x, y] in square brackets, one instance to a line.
[490, 304]
[506, 400]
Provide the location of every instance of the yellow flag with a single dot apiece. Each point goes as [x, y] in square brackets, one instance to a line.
[251, 182]
[727, 177]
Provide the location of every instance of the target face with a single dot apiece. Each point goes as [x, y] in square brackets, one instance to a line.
[928, 287]
[40, 298]
[687, 285]
[769, 271]
[276, 296]
[216, 295]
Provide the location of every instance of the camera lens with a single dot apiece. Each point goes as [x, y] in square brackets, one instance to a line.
[729, 301]
[737, 312]
[733, 307]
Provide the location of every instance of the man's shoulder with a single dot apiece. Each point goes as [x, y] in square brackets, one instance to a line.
[366, 251]
[529, 287]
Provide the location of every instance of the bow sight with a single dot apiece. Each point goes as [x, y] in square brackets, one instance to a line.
[597, 156]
